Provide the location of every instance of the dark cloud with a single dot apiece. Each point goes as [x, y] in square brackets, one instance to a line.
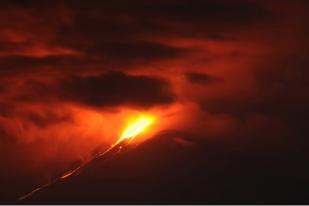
[116, 54]
[132, 22]
[118, 33]
[110, 89]
[115, 89]
[280, 89]
[199, 78]
[135, 51]
[237, 12]
[21, 65]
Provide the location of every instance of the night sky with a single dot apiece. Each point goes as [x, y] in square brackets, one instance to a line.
[226, 80]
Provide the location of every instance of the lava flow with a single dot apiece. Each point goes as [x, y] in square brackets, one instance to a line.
[134, 128]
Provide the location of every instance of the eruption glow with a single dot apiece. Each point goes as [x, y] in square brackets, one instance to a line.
[136, 127]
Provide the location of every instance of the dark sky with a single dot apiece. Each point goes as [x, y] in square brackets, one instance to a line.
[233, 72]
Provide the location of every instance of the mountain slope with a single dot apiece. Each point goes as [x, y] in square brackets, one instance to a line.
[173, 169]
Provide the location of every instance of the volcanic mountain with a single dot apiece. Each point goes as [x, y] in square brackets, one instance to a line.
[177, 168]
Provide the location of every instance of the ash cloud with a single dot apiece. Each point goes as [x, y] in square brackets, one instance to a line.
[116, 89]
[199, 78]
[110, 89]
[243, 64]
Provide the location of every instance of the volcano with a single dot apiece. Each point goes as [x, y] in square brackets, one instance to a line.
[174, 169]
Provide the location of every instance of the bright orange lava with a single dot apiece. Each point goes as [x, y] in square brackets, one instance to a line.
[136, 127]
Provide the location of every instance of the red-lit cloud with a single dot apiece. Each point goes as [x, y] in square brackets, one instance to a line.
[71, 72]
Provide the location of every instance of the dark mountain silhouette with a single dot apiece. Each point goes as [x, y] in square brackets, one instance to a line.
[176, 168]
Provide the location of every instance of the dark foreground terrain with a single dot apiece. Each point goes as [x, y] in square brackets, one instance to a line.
[173, 169]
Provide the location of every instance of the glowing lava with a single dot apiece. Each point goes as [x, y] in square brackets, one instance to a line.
[136, 127]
